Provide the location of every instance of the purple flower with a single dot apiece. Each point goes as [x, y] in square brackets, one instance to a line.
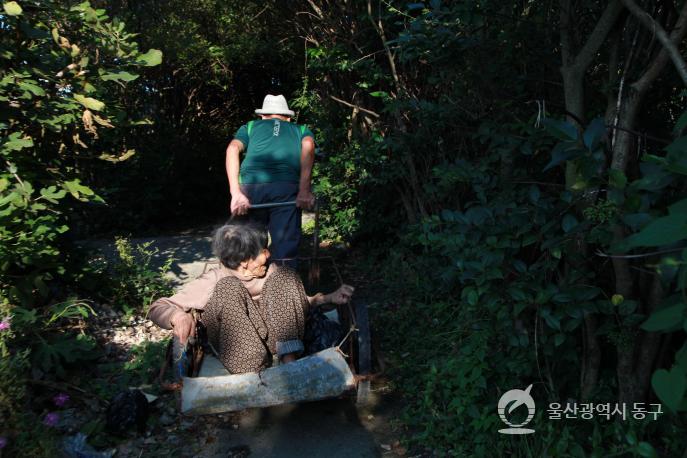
[61, 399]
[3, 442]
[5, 324]
[51, 419]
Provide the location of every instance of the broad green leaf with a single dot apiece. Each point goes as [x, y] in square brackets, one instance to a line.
[563, 151]
[654, 177]
[51, 194]
[569, 222]
[15, 142]
[681, 357]
[678, 208]
[665, 318]
[677, 147]
[662, 231]
[594, 133]
[617, 299]
[681, 123]
[517, 294]
[670, 387]
[472, 297]
[90, 103]
[646, 450]
[562, 130]
[75, 188]
[627, 307]
[152, 58]
[12, 8]
[518, 308]
[559, 339]
[35, 90]
[534, 194]
[119, 76]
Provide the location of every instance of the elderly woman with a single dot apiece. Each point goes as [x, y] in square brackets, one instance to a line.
[251, 310]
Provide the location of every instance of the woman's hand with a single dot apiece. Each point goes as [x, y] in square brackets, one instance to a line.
[183, 326]
[341, 295]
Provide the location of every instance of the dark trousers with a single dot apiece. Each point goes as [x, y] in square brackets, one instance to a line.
[283, 223]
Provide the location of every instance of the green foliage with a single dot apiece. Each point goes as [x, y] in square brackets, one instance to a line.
[41, 331]
[13, 368]
[62, 79]
[487, 307]
[56, 72]
[134, 283]
[142, 369]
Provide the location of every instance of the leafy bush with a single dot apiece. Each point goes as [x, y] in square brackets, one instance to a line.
[134, 282]
[63, 71]
[496, 293]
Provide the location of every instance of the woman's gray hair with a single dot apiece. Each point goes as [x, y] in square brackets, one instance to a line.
[237, 241]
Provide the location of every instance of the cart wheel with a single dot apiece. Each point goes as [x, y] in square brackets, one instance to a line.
[364, 352]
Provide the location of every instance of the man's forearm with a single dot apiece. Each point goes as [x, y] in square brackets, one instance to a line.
[307, 161]
[232, 166]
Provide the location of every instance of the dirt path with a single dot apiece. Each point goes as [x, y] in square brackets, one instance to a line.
[333, 428]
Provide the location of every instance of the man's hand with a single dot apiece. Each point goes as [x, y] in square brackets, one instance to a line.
[183, 326]
[341, 295]
[305, 200]
[239, 204]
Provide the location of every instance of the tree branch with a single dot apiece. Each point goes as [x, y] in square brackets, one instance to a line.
[668, 44]
[598, 36]
[564, 25]
[348, 104]
[678, 33]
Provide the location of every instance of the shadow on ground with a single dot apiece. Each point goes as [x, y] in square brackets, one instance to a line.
[324, 429]
[191, 253]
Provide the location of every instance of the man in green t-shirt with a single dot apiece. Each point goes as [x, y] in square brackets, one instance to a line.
[277, 167]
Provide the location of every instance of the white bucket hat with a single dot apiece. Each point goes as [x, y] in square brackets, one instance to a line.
[275, 104]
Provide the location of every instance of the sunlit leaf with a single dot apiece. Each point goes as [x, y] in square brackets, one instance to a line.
[152, 58]
[119, 76]
[88, 102]
[12, 8]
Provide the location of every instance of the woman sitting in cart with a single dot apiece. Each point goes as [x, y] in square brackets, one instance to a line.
[251, 309]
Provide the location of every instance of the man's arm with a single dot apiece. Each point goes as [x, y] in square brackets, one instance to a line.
[239, 202]
[305, 199]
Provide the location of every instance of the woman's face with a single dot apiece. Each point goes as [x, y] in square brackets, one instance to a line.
[258, 266]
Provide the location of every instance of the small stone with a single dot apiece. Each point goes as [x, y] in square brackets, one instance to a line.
[186, 424]
[234, 426]
[370, 417]
[400, 451]
[166, 420]
[386, 447]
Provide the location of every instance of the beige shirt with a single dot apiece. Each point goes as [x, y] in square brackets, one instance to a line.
[195, 295]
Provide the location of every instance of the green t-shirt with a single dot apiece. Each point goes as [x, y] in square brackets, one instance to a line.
[273, 151]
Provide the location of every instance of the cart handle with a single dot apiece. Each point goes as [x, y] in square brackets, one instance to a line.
[272, 205]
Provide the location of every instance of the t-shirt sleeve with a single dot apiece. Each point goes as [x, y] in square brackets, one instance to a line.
[307, 133]
[242, 135]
